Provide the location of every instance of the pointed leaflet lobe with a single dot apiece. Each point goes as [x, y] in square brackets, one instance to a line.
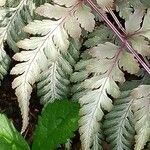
[77, 15]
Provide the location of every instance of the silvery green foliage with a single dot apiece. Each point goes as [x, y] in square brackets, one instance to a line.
[48, 48]
[119, 123]
[141, 109]
[13, 17]
[99, 83]
[45, 52]
[99, 70]
[54, 82]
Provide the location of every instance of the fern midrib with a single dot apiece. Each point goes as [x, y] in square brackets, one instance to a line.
[116, 58]
[116, 20]
[122, 123]
[96, 142]
[53, 80]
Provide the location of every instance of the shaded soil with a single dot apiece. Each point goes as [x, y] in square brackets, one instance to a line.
[9, 106]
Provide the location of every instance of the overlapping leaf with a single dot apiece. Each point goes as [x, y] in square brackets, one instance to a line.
[119, 124]
[104, 70]
[54, 81]
[10, 139]
[45, 51]
[11, 23]
[58, 122]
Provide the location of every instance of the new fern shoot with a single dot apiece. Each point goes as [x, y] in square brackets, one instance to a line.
[95, 53]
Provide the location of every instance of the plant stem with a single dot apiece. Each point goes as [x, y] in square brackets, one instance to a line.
[123, 38]
[116, 20]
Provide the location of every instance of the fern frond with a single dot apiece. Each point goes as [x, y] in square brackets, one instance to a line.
[53, 84]
[11, 30]
[54, 81]
[4, 63]
[47, 50]
[92, 103]
[141, 108]
[11, 21]
[119, 125]
[103, 71]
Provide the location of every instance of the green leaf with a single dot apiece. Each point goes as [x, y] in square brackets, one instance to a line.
[5, 145]
[56, 124]
[10, 138]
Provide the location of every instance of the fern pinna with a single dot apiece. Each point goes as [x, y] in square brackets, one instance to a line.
[80, 49]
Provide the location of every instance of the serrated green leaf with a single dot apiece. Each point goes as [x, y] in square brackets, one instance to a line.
[56, 124]
[10, 139]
